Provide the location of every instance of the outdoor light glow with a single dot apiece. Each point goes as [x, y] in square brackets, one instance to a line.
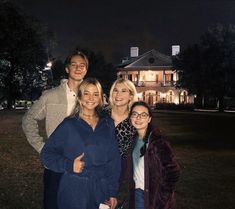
[49, 64]
[162, 95]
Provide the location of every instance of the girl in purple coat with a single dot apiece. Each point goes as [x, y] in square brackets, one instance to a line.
[152, 166]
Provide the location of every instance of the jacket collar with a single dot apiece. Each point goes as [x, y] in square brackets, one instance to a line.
[155, 134]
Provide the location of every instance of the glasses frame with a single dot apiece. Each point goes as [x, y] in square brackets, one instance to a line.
[142, 115]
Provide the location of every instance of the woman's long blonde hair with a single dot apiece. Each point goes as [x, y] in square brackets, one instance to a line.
[130, 86]
[82, 87]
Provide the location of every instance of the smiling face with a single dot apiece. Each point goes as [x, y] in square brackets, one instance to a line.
[140, 118]
[77, 68]
[90, 98]
[121, 95]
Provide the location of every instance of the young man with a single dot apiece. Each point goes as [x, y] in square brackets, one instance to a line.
[53, 106]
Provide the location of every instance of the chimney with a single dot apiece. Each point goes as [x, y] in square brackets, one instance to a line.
[134, 51]
[175, 50]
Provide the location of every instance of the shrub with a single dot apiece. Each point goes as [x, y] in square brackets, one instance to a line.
[173, 106]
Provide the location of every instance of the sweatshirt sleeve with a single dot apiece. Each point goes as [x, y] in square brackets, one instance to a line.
[171, 171]
[30, 123]
[114, 164]
[52, 154]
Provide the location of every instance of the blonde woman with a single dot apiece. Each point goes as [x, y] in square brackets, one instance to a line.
[121, 97]
[85, 150]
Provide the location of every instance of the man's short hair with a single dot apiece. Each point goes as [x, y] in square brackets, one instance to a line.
[76, 53]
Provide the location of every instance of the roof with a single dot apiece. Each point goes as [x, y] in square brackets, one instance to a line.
[150, 59]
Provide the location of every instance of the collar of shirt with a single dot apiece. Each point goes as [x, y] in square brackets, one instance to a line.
[71, 99]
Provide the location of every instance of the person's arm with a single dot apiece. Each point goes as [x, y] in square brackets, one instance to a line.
[112, 202]
[52, 154]
[30, 123]
[171, 170]
[114, 165]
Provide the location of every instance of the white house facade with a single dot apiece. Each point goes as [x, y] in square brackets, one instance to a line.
[154, 77]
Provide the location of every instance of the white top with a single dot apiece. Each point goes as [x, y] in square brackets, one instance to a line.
[71, 99]
[138, 165]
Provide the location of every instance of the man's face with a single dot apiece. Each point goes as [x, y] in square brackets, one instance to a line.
[77, 68]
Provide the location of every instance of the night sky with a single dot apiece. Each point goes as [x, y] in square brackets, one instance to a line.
[112, 27]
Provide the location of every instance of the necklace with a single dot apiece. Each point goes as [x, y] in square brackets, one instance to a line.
[88, 116]
[90, 119]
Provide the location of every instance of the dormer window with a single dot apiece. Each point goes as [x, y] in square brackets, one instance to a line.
[151, 60]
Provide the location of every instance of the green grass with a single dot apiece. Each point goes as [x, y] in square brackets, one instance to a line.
[21, 170]
[205, 148]
[203, 143]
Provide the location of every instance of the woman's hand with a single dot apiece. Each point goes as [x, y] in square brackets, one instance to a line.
[78, 164]
[112, 202]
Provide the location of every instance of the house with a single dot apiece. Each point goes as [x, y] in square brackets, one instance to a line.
[154, 77]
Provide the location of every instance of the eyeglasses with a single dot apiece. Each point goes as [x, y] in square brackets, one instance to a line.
[81, 67]
[142, 115]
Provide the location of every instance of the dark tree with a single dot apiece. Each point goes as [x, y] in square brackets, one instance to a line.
[100, 69]
[219, 55]
[22, 53]
[208, 69]
[58, 71]
[192, 75]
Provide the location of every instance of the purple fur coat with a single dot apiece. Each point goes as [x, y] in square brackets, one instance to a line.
[161, 174]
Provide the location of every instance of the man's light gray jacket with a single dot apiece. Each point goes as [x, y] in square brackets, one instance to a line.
[51, 106]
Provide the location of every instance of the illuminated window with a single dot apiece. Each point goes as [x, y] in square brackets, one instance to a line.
[169, 97]
[130, 77]
[183, 97]
[169, 77]
[156, 78]
[157, 96]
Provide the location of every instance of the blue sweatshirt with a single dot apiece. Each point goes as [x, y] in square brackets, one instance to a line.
[74, 137]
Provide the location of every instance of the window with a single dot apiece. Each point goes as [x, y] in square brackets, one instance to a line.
[183, 97]
[169, 97]
[169, 77]
[156, 78]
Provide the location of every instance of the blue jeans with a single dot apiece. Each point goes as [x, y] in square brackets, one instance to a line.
[139, 199]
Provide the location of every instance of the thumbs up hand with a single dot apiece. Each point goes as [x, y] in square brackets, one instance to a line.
[78, 164]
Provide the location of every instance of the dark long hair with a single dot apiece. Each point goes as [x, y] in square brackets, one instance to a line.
[149, 128]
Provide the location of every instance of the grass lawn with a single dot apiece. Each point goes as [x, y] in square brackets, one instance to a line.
[204, 144]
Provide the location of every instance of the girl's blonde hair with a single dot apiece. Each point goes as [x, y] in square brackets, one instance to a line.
[130, 86]
[81, 90]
